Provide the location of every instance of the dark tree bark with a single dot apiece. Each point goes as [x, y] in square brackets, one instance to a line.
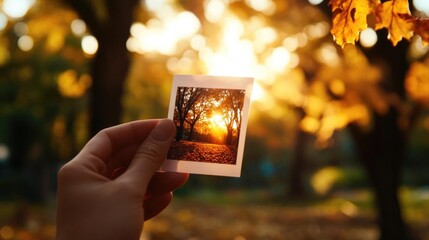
[109, 21]
[298, 164]
[186, 97]
[381, 150]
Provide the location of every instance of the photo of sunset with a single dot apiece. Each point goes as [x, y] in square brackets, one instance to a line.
[208, 122]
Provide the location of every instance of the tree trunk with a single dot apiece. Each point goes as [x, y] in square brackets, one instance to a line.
[109, 70]
[381, 153]
[298, 166]
[109, 21]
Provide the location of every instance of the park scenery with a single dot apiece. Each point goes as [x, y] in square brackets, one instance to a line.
[208, 122]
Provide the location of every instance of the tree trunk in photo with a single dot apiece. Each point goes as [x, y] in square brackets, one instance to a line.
[109, 21]
[191, 131]
[180, 129]
[228, 140]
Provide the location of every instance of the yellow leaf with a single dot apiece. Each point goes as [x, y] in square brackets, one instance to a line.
[349, 19]
[396, 17]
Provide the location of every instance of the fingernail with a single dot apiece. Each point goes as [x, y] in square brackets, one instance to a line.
[163, 130]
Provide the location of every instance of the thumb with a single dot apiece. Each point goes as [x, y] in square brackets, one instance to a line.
[151, 154]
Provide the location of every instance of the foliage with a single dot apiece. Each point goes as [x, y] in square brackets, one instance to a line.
[350, 17]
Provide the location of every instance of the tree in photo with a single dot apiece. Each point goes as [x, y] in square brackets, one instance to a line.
[185, 100]
[199, 109]
[231, 108]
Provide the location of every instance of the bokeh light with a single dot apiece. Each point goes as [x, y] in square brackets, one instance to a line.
[214, 10]
[20, 28]
[422, 5]
[3, 21]
[25, 43]
[78, 27]
[315, 2]
[368, 38]
[89, 44]
[17, 8]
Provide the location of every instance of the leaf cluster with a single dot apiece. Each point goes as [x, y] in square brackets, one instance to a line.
[350, 17]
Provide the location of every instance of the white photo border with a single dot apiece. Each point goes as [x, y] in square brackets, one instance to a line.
[217, 82]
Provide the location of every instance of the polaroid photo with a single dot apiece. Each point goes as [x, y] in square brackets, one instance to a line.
[210, 113]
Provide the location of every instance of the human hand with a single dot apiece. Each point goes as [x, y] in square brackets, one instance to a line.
[111, 187]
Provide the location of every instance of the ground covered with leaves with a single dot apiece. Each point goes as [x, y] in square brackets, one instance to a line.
[196, 219]
[238, 215]
[203, 152]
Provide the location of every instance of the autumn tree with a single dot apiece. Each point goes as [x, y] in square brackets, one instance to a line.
[381, 149]
[186, 97]
[232, 107]
[200, 108]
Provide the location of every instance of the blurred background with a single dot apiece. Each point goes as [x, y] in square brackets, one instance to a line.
[337, 142]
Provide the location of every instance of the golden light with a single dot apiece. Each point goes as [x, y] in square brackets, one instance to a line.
[55, 41]
[324, 180]
[78, 27]
[3, 21]
[368, 38]
[154, 5]
[214, 10]
[268, 7]
[72, 86]
[25, 43]
[89, 44]
[278, 60]
[162, 35]
[317, 30]
[290, 43]
[217, 121]
[328, 55]
[309, 124]
[258, 92]
[17, 8]
[337, 87]
[198, 42]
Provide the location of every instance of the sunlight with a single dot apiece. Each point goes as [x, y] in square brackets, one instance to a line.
[217, 121]
[214, 10]
[163, 35]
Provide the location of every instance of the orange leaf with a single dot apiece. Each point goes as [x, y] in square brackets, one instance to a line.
[349, 18]
[396, 17]
[422, 29]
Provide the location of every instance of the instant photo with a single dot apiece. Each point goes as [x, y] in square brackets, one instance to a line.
[210, 113]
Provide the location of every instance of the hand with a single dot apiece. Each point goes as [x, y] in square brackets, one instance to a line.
[111, 187]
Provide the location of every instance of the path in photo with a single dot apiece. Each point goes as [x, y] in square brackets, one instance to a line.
[208, 122]
[203, 152]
